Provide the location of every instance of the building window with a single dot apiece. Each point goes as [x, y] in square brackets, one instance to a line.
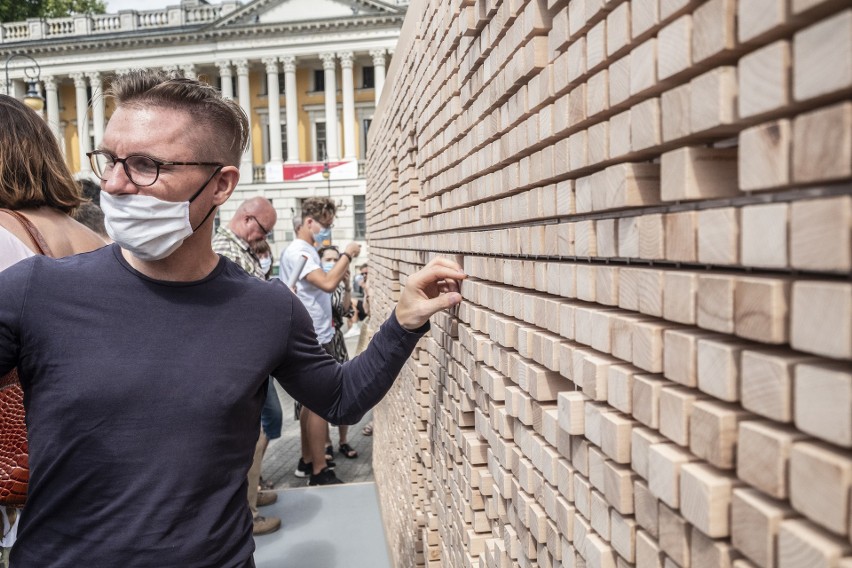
[282, 83]
[319, 80]
[359, 210]
[368, 77]
[319, 137]
[365, 129]
[284, 140]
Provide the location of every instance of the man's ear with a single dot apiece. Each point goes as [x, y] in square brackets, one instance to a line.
[226, 182]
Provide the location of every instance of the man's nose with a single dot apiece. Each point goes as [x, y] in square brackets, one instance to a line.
[118, 182]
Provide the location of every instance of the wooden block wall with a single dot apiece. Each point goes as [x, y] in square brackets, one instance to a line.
[652, 367]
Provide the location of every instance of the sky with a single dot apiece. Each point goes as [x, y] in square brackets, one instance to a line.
[114, 6]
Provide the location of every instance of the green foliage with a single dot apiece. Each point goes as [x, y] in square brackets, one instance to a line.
[20, 10]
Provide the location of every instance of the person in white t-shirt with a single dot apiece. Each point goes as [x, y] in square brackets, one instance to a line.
[314, 287]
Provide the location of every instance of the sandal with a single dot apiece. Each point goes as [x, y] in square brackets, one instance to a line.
[329, 452]
[348, 451]
[266, 485]
[368, 429]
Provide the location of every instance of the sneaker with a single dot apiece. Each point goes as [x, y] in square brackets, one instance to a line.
[265, 525]
[325, 477]
[265, 498]
[303, 469]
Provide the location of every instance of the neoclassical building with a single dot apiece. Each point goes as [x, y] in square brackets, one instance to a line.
[308, 73]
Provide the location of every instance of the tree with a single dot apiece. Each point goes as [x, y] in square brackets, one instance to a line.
[19, 10]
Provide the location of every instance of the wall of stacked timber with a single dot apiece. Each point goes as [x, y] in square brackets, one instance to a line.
[653, 200]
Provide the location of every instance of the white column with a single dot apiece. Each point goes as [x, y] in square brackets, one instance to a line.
[331, 138]
[292, 108]
[244, 95]
[275, 167]
[82, 121]
[378, 71]
[227, 78]
[348, 105]
[98, 115]
[52, 102]
[189, 71]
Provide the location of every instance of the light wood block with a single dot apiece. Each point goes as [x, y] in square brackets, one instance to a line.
[719, 235]
[619, 140]
[619, 392]
[674, 536]
[705, 551]
[698, 172]
[716, 302]
[764, 77]
[719, 368]
[618, 487]
[680, 355]
[643, 67]
[814, 223]
[665, 462]
[766, 157]
[765, 235]
[645, 14]
[761, 309]
[755, 522]
[618, 32]
[767, 382]
[820, 480]
[675, 47]
[651, 284]
[623, 535]
[803, 545]
[712, 100]
[646, 399]
[648, 552]
[822, 318]
[571, 411]
[679, 296]
[645, 507]
[763, 455]
[648, 345]
[651, 236]
[675, 410]
[823, 402]
[822, 144]
[714, 30]
[628, 243]
[628, 185]
[676, 113]
[681, 236]
[817, 69]
[706, 498]
[645, 125]
[713, 432]
[616, 434]
[641, 441]
[758, 17]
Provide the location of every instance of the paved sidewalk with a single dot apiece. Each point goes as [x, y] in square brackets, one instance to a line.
[283, 454]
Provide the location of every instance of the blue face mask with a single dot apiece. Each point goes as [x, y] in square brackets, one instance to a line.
[327, 266]
[323, 238]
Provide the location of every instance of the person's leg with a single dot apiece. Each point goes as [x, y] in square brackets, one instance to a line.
[345, 449]
[254, 472]
[271, 418]
[317, 428]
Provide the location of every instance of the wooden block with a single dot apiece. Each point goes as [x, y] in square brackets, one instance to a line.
[675, 410]
[618, 487]
[641, 441]
[674, 536]
[716, 302]
[648, 553]
[619, 130]
[698, 172]
[767, 382]
[676, 113]
[665, 462]
[714, 30]
[645, 14]
[804, 545]
[607, 244]
[679, 296]
[571, 411]
[651, 236]
[643, 67]
[619, 82]
[706, 498]
[651, 284]
[765, 157]
[705, 551]
[815, 223]
[645, 507]
[599, 512]
[628, 285]
[628, 242]
[648, 346]
[719, 368]
[713, 432]
[755, 521]
[758, 17]
[618, 33]
[820, 480]
[623, 535]
[616, 434]
[817, 70]
[822, 144]
[680, 355]
[620, 387]
[823, 402]
[645, 125]
[675, 47]
[822, 318]
[646, 399]
[719, 235]
[763, 455]
[761, 309]
[599, 142]
[764, 79]
[764, 237]
[629, 185]
[712, 100]
[681, 236]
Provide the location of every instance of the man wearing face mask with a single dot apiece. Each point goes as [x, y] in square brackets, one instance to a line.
[253, 220]
[314, 287]
[145, 363]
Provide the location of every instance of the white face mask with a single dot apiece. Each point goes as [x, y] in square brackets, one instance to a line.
[148, 227]
[265, 263]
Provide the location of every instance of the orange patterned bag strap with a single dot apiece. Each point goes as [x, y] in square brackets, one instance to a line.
[36, 237]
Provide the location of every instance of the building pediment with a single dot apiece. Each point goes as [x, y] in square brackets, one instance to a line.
[272, 12]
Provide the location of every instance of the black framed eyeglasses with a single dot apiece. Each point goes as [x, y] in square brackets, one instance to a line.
[262, 228]
[141, 170]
